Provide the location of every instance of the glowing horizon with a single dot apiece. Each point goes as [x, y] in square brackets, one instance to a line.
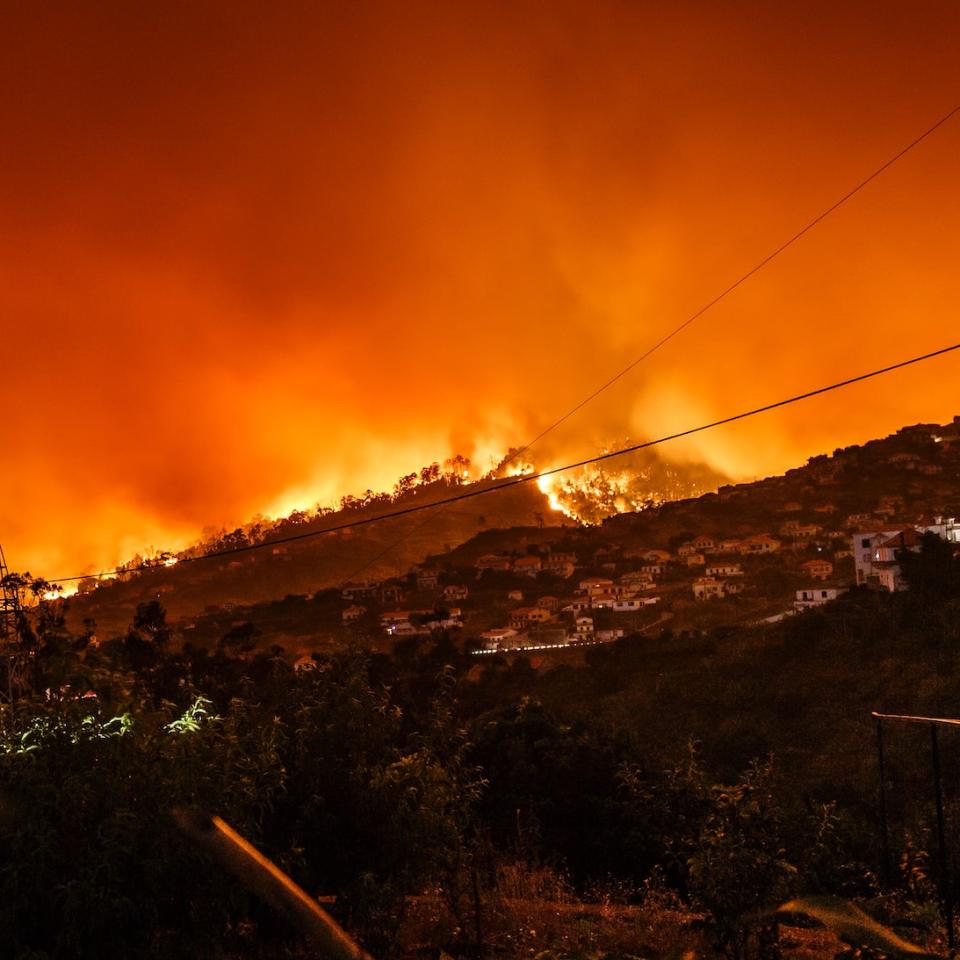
[252, 262]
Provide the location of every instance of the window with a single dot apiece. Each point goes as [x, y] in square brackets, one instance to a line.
[823, 593]
[865, 542]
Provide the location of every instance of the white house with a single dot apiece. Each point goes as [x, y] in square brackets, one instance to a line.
[495, 639]
[724, 570]
[584, 628]
[875, 553]
[816, 597]
[428, 578]
[875, 556]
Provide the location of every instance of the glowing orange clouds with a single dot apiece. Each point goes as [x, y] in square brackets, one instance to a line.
[251, 258]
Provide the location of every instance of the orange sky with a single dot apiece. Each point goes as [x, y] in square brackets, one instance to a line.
[259, 255]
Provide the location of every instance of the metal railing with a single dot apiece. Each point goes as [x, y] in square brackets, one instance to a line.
[944, 881]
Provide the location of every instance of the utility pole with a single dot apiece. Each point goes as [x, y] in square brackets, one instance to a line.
[11, 652]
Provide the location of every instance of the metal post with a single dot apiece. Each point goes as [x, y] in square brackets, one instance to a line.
[10, 650]
[946, 891]
[884, 827]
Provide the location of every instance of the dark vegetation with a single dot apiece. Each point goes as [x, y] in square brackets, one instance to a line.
[724, 772]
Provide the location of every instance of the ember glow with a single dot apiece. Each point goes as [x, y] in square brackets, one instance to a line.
[254, 259]
[636, 482]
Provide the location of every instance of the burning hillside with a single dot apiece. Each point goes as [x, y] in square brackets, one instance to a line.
[634, 482]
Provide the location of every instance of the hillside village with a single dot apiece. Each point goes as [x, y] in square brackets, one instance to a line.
[823, 536]
[749, 553]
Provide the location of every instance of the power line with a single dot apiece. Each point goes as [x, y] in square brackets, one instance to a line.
[733, 286]
[530, 477]
[690, 320]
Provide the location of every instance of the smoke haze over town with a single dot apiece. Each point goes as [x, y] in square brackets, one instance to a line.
[249, 265]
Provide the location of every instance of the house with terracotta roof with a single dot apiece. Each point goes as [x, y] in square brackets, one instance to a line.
[656, 556]
[594, 585]
[524, 617]
[528, 565]
[603, 600]
[706, 588]
[818, 569]
[760, 544]
[801, 531]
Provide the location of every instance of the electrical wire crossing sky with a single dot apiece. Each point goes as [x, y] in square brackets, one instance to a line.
[251, 260]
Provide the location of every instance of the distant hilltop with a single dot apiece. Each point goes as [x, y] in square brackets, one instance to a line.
[908, 477]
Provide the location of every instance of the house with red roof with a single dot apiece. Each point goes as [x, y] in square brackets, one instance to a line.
[817, 569]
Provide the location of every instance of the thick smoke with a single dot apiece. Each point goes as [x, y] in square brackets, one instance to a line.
[252, 258]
